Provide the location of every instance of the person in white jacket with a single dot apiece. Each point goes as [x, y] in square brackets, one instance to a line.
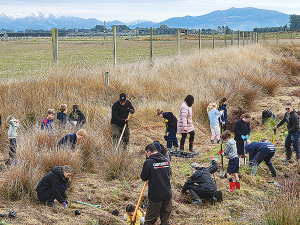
[185, 122]
[12, 136]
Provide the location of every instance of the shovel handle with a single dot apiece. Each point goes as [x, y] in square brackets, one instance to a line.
[138, 204]
[122, 134]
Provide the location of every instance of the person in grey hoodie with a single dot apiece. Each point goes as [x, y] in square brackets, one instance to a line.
[233, 163]
[12, 136]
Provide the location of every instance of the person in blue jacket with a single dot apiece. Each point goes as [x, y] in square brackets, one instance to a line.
[171, 127]
[70, 140]
[261, 151]
[241, 133]
[223, 118]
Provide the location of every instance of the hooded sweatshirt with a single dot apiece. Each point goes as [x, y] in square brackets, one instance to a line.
[255, 147]
[292, 121]
[156, 170]
[13, 126]
[53, 180]
[213, 116]
[230, 149]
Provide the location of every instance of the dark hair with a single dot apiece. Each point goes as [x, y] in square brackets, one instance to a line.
[159, 112]
[222, 101]
[289, 104]
[130, 208]
[75, 107]
[189, 100]
[151, 148]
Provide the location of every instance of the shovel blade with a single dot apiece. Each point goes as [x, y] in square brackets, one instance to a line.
[222, 173]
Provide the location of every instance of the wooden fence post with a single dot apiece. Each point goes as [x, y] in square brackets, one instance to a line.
[199, 32]
[107, 79]
[151, 40]
[178, 40]
[55, 45]
[225, 38]
[243, 38]
[104, 30]
[231, 37]
[264, 37]
[277, 37]
[239, 38]
[115, 44]
[291, 38]
[213, 34]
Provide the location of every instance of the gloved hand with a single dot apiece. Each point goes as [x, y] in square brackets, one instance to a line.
[67, 201]
[286, 133]
[131, 111]
[222, 153]
[275, 128]
[185, 128]
[223, 123]
[65, 205]
[243, 137]
[126, 121]
[247, 137]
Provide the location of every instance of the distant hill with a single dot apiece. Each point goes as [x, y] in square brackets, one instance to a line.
[235, 18]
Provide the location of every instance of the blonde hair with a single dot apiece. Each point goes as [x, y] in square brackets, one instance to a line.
[63, 107]
[9, 118]
[211, 106]
[246, 115]
[51, 111]
[81, 132]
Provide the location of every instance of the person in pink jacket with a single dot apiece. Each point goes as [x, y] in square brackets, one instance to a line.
[185, 122]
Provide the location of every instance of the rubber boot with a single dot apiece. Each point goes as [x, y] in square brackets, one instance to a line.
[231, 186]
[181, 148]
[254, 170]
[237, 185]
[191, 147]
[288, 154]
[50, 203]
[273, 171]
[197, 199]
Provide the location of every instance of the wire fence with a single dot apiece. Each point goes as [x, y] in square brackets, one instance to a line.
[30, 56]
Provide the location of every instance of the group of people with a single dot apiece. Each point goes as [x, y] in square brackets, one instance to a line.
[156, 168]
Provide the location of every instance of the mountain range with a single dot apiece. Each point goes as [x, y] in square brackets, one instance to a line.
[235, 18]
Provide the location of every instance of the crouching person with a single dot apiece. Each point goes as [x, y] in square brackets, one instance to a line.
[54, 185]
[200, 184]
[70, 140]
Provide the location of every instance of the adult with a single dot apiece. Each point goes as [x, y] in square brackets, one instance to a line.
[54, 185]
[185, 122]
[200, 184]
[241, 133]
[261, 151]
[292, 120]
[156, 170]
[70, 140]
[119, 117]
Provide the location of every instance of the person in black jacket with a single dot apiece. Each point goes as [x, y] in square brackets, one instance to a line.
[70, 140]
[156, 170]
[200, 184]
[76, 117]
[119, 117]
[292, 134]
[241, 133]
[54, 185]
[171, 127]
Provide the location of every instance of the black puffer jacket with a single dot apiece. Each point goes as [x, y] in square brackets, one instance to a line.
[292, 121]
[156, 170]
[119, 113]
[203, 179]
[53, 180]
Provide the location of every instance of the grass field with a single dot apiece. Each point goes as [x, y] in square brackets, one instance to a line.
[254, 78]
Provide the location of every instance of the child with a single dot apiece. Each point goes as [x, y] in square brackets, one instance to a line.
[47, 123]
[130, 208]
[62, 116]
[223, 119]
[12, 136]
[70, 140]
[171, 123]
[213, 115]
[233, 164]
[76, 117]
[241, 133]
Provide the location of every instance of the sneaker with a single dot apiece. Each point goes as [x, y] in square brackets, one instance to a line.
[212, 141]
[50, 203]
[218, 141]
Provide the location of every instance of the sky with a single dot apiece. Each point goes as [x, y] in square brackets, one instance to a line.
[130, 10]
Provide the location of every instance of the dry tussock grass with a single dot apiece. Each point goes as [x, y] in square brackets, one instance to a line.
[241, 74]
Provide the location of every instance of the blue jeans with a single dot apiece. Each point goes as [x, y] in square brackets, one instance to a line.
[289, 140]
[48, 195]
[172, 139]
[263, 155]
[12, 147]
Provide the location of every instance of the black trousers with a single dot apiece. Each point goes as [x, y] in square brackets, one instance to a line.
[160, 209]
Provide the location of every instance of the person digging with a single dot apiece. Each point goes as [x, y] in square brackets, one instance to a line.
[200, 184]
[261, 151]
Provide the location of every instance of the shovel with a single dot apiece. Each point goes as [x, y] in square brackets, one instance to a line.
[273, 141]
[245, 158]
[138, 204]
[222, 170]
[122, 134]
[83, 203]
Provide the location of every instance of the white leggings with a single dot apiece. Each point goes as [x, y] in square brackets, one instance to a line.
[215, 132]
